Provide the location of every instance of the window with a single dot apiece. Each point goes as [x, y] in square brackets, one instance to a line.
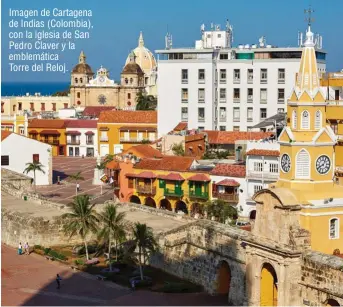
[20, 106]
[32, 106]
[263, 95]
[128, 95]
[236, 76]
[273, 168]
[65, 105]
[222, 114]
[222, 76]
[263, 113]
[334, 127]
[264, 75]
[303, 165]
[184, 114]
[334, 228]
[103, 136]
[222, 94]
[42, 106]
[280, 110]
[235, 128]
[184, 94]
[318, 121]
[14, 106]
[184, 76]
[222, 128]
[201, 75]
[257, 188]
[35, 158]
[294, 119]
[250, 114]
[250, 76]
[281, 95]
[305, 120]
[250, 94]
[5, 160]
[78, 95]
[258, 167]
[223, 56]
[54, 106]
[130, 183]
[21, 130]
[281, 75]
[200, 128]
[81, 80]
[236, 114]
[201, 114]
[236, 94]
[201, 95]
[76, 80]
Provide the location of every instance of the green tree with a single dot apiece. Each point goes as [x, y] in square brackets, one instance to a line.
[82, 219]
[76, 177]
[112, 228]
[108, 159]
[178, 149]
[145, 102]
[144, 241]
[34, 167]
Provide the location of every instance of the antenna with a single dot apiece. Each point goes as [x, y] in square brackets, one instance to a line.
[309, 19]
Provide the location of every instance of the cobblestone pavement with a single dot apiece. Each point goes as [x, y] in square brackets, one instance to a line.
[30, 280]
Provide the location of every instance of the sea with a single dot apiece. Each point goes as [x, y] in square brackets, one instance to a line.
[22, 88]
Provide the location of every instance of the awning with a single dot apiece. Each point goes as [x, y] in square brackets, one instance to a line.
[89, 133]
[229, 183]
[104, 129]
[131, 128]
[113, 165]
[49, 132]
[73, 133]
[171, 176]
[199, 177]
[146, 175]
[33, 132]
[6, 124]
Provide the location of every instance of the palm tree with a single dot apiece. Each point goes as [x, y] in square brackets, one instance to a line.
[143, 239]
[33, 167]
[77, 177]
[81, 220]
[112, 228]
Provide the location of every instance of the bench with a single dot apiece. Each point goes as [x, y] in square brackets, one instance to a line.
[101, 277]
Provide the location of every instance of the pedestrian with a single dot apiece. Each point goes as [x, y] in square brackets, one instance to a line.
[58, 279]
[133, 285]
[78, 187]
[26, 248]
[20, 249]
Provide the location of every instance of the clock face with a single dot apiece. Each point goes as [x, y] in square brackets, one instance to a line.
[323, 165]
[101, 79]
[285, 163]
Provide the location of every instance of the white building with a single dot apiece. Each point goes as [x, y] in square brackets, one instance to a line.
[215, 86]
[17, 150]
[82, 138]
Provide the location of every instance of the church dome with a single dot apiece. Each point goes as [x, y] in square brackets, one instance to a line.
[132, 68]
[82, 67]
[143, 57]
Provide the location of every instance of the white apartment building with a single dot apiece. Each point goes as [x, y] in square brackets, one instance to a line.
[215, 86]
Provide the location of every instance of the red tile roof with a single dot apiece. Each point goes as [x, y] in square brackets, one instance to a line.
[199, 177]
[5, 134]
[172, 176]
[229, 183]
[113, 165]
[50, 132]
[95, 111]
[263, 152]
[137, 117]
[33, 132]
[181, 126]
[229, 137]
[48, 123]
[82, 123]
[143, 151]
[167, 163]
[147, 175]
[230, 170]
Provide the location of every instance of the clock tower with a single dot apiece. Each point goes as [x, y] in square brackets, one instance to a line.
[307, 155]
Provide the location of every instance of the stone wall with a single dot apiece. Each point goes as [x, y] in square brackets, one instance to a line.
[322, 279]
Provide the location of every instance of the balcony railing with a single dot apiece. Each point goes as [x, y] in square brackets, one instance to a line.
[104, 139]
[173, 192]
[236, 99]
[226, 197]
[91, 142]
[260, 175]
[264, 81]
[134, 140]
[236, 80]
[51, 142]
[250, 98]
[222, 81]
[199, 195]
[281, 81]
[146, 189]
[250, 80]
[222, 118]
[73, 142]
[281, 100]
[184, 81]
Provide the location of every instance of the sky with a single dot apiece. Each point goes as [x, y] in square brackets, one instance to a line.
[117, 25]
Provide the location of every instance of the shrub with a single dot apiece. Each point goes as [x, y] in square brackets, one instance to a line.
[38, 247]
[79, 262]
[47, 251]
[57, 255]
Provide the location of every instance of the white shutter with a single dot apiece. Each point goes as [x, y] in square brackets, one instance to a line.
[303, 165]
[305, 120]
[318, 121]
[294, 119]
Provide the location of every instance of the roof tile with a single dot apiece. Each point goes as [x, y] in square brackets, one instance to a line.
[230, 170]
[167, 163]
[199, 177]
[48, 123]
[137, 117]
[144, 151]
[5, 134]
[229, 183]
[95, 111]
[82, 123]
[229, 137]
[263, 152]
[181, 126]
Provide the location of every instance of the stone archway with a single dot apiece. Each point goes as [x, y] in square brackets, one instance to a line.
[135, 199]
[165, 204]
[332, 302]
[252, 215]
[150, 202]
[268, 286]
[223, 278]
[181, 206]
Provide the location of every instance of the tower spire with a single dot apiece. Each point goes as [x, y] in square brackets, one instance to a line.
[309, 19]
[141, 40]
[82, 58]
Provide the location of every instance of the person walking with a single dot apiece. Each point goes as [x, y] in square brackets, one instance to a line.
[27, 248]
[58, 281]
[20, 249]
[78, 187]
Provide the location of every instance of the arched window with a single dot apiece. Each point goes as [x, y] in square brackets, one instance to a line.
[126, 80]
[78, 94]
[76, 80]
[334, 228]
[318, 121]
[131, 80]
[294, 119]
[305, 120]
[81, 80]
[303, 165]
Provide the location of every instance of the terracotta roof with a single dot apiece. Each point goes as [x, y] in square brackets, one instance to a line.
[82, 68]
[199, 177]
[132, 68]
[50, 132]
[229, 137]
[229, 183]
[263, 152]
[167, 163]
[89, 133]
[138, 128]
[147, 175]
[230, 170]
[48, 123]
[172, 176]
[144, 151]
[95, 111]
[82, 123]
[33, 132]
[113, 165]
[139, 117]
[73, 132]
[5, 134]
[6, 124]
[181, 126]
[194, 137]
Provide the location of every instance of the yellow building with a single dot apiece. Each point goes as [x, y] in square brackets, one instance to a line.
[169, 183]
[17, 124]
[308, 158]
[50, 131]
[119, 130]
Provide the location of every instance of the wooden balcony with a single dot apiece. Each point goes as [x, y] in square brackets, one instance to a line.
[231, 198]
[51, 142]
[73, 142]
[146, 189]
[198, 195]
[173, 192]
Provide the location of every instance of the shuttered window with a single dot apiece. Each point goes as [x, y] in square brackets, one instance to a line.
[305, 120]
[318, 121]
[5, 160]
[294, 119]
[303, 165]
